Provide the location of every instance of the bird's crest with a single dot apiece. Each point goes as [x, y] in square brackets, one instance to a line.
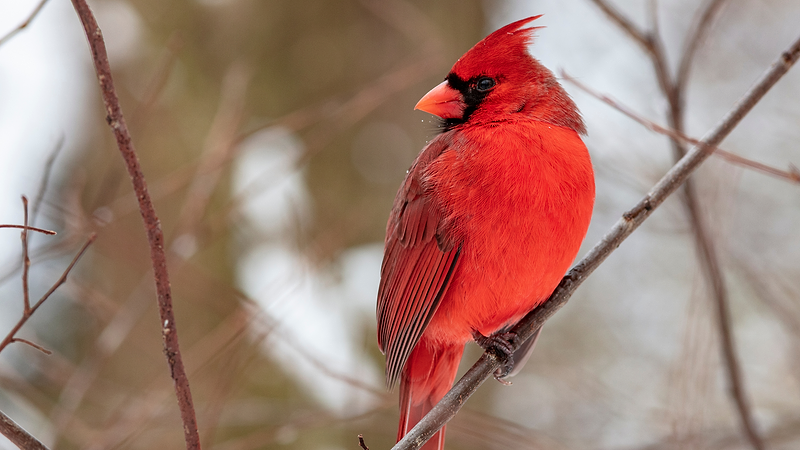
[505, 45]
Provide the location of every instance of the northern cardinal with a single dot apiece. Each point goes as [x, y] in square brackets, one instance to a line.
[487, 221]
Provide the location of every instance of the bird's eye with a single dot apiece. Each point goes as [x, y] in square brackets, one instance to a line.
[484, 84]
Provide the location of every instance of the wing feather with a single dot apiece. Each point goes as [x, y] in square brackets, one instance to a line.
[416, 270]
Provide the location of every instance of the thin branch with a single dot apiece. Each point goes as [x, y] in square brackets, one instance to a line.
[699, 31]
[155, 235]
[28, 311]
[623, 22]
[29, 228]
[63, 278]
[158, 81]
[26, 261]
[361, 442]
[672, 180]
[219, 147]
[32, 344]
[652, 45]
[792, 175]
[17, 435]
[704, 243]
[24, 24]
[48, 170]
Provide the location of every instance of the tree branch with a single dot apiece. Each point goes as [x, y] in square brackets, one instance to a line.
[47, 172]
[672, 180]
[26, 261]
[29, 310]
[29, 228]
[17, 435]
[699, 30]
[709, 261]
[792, 175]
[155, 235]
[24, 24]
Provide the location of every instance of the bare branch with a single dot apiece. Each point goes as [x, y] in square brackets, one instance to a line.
[24, 24]
[23, 227]
[361, 442]
[219, 147]
[32, 344]
[700, 28]
[792, 175]
[155, 235]
[29, 310]
[652, 45]
[26, 261]
[17, 435]
[63, 278]
[48, 170]
[669, 183]
[623, 22]
[158, 81]
[703, 240]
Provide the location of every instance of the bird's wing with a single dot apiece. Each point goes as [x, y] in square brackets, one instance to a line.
[418, 261]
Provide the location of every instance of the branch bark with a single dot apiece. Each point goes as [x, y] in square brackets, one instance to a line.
[669, 183]
[155, 235]
[17, 435]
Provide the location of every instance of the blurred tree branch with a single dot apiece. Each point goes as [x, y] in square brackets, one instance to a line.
[155, 235]
[669, 183]
[792, 175]
[29, 228]
[8, 427]
[674, 91]
[28, 310]
[24, 24]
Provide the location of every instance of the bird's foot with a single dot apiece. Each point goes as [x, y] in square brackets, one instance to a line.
[499, 344]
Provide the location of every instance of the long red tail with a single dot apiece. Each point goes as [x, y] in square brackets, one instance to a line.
[427, 376]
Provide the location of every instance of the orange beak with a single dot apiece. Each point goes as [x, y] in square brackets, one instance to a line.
[442, 101]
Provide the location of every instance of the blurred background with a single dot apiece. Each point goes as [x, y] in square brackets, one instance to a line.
[274, 135]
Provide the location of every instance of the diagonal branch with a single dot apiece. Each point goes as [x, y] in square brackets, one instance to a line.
[17, 435]
[672, 180]
[792, 175]
[24, 24]
[650, 43]
[699, 31]
[29, 310]
[155, 235]
[709, 260]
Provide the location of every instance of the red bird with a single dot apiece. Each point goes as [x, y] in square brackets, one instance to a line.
[487, 221]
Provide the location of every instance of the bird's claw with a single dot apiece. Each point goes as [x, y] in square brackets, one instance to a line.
[500, 344]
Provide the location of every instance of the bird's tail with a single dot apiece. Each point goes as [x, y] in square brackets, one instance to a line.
[427, 376]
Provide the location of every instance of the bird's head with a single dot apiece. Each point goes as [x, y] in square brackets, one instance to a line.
[498, 80]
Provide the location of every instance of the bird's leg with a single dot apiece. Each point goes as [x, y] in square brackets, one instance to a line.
[499, 344]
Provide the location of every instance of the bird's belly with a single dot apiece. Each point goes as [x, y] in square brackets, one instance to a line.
[507, 267]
